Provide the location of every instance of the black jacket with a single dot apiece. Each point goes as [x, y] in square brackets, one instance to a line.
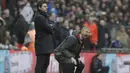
[20, 28]
[70, 47]
[97, 67]
[101, 37]
[64, 32]
[44, 31]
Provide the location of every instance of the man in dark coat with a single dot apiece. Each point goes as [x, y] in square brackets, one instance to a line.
[67, 53]
[43, 39]
[102, 31]
[20, 28]
[8, 19]
[97, 66]
[64, 30]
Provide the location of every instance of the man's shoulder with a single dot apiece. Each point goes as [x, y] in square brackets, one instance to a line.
[72, 37]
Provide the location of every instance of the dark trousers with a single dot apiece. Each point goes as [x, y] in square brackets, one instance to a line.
[42, 63]
[71, 68]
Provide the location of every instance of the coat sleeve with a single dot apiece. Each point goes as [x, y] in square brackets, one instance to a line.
[65, 48]
[44, 24]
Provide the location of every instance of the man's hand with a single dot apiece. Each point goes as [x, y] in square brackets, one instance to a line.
[24, 48]
[74, 61]
[79, 60]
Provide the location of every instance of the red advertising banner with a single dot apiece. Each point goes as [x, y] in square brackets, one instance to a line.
[87, 59]
[24, 62]
[28, 59]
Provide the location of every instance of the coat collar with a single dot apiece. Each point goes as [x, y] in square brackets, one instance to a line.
[78, 37]
[44, 13]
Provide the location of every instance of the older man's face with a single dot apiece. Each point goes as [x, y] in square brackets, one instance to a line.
[6, 13]
[85, 32]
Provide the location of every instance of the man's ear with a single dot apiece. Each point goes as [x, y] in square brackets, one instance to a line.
[39, 8]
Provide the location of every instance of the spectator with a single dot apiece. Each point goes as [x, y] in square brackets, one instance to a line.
[2, 30]
[113, 28]
[107, 41]
[29, 39]
[8, 19]
[97, 66]
[77, 28]
[94, 30]
[53, 23]
[103, 35]
[5, 37]
[64, 30]
[123, 36]
[52, 8]
[20, 29]
[116, 43]
[57, 31]
[53, 18]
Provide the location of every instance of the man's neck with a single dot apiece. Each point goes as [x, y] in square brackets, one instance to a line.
[43, 13]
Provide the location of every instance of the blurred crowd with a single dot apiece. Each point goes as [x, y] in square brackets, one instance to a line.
[108, 20]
